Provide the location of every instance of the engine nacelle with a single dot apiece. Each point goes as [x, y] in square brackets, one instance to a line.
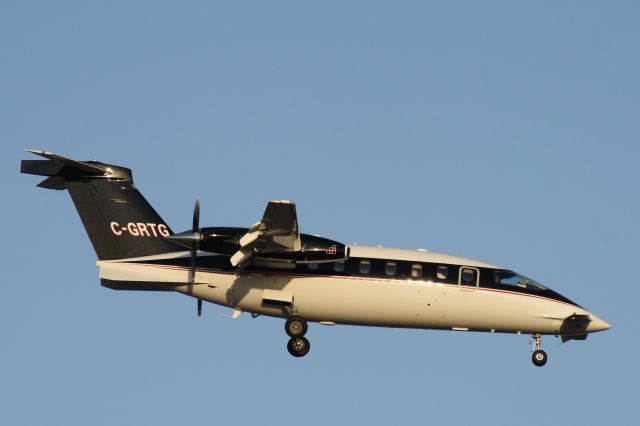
[313, 249]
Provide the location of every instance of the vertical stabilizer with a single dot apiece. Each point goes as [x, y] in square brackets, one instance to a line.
[118, 219]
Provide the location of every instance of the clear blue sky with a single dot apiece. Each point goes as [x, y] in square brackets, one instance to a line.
[503, 131]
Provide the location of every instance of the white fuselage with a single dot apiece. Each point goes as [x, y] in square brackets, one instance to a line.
[372, 301]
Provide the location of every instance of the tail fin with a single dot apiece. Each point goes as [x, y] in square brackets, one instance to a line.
[118, 219]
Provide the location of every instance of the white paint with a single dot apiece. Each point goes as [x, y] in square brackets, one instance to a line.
[363, 301]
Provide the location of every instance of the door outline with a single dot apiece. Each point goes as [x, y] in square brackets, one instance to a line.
[465, 286]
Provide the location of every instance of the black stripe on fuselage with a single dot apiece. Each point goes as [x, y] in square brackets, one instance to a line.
[351, 269]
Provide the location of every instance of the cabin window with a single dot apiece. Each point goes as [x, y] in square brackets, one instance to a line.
[416, 270]
[338, 266]
[365, 266]
[469, 277]
[313, 266]
[442, 272]
[390, 268]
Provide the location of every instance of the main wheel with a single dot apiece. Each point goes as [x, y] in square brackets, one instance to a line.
[539, 357]
[296, 327]
[298, 346]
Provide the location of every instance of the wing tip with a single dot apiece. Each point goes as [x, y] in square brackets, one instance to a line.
[40, 152]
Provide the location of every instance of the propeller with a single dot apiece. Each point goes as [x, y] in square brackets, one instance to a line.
[191, 239]
[195, 245]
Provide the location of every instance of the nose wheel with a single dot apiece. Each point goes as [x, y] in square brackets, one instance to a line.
[296, 327]
[539, 357]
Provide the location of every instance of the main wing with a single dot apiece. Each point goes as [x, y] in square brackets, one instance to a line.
[277, 232]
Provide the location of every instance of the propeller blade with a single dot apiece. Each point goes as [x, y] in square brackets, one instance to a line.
[196, 217]
[199, 307]
[192, 271]
[195, 245]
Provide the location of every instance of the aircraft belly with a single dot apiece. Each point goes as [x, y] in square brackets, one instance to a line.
[423, 305]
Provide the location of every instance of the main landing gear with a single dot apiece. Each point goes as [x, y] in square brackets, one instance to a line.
[296, 327]
[539, 357]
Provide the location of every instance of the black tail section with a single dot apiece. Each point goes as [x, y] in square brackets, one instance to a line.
[118, 219]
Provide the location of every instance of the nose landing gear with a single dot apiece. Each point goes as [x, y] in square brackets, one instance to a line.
[539, 357]
[296, 327]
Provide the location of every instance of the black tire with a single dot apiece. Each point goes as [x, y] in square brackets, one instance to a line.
[296, 327]
[298, 346]
[539, 357]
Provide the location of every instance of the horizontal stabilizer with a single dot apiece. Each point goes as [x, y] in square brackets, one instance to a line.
[60, 170]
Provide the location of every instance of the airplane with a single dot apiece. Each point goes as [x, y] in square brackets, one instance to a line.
[272, 269]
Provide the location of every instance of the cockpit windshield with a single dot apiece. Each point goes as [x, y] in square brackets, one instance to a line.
[510, 278]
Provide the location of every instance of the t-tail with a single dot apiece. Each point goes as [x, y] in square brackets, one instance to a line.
[118, 219]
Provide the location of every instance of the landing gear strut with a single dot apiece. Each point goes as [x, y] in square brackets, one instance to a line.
[539, 357]
[296, 327]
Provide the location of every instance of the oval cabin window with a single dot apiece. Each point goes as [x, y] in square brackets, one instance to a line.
[416, 270]
[365, 267]
[442, 273]
[390, 268]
